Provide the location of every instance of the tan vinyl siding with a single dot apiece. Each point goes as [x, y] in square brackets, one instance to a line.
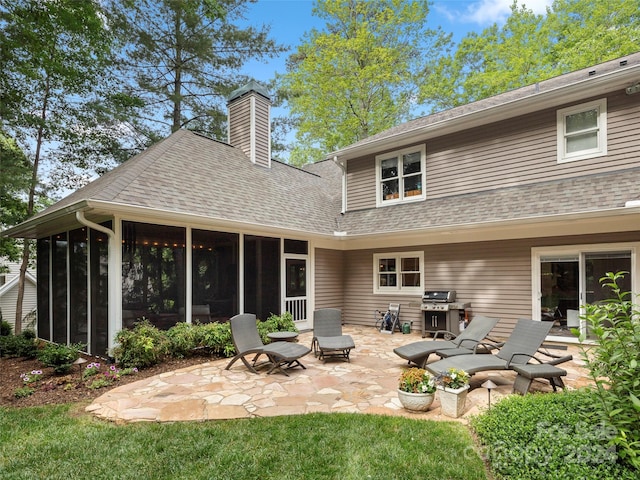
[361, 183]
[329, 278]
[512, 152]
[495, 277]
[240, 124]
[262, 132]
[361, 303]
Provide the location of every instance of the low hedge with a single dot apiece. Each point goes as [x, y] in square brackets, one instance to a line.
[145, 345]
[550, 436]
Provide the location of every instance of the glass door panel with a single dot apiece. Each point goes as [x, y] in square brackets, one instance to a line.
[559, 287]
[296, 287]
[569, 281]
[597, 265]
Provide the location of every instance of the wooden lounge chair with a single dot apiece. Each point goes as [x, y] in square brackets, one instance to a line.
[418, 352]
[328, 340]
[520, 347]
[246, 339]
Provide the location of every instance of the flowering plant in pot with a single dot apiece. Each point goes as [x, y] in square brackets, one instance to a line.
[454, 378]
[453, 385]
[416, 389]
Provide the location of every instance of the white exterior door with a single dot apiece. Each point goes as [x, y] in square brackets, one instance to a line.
[295, 286]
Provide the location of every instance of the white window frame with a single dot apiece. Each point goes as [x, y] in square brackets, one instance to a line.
[600, 129]
[401, 197]
[398, 288]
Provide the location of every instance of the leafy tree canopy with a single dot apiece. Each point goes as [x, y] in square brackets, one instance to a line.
[528, 48]
[359, 75]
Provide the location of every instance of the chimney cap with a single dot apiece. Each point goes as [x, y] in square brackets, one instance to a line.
[252, 86]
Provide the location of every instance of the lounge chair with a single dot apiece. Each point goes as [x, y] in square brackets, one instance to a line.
[418, 352]
[520, 347]
[544, 368]
[246, 339]
[328, 340]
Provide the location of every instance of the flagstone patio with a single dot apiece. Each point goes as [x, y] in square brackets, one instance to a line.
[365, 385]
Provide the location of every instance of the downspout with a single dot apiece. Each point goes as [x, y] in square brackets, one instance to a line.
[344, 184]
[114, 314]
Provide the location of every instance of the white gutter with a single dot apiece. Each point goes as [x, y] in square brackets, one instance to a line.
[114, 314]
[344, 183]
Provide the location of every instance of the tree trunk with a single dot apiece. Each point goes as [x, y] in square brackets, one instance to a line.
[31, 207]
[177, 82]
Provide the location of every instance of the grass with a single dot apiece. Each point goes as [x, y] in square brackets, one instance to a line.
[55, 443]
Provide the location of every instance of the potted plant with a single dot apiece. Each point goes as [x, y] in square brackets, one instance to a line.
[416, 389]
[452, 385]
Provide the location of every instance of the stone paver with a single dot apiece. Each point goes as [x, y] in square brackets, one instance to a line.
[366, 385]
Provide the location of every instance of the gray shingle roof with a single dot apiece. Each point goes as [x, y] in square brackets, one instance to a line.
[191, 174]
[569, 196]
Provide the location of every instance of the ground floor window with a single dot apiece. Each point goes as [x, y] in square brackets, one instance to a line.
[567, 278]
[399, 272]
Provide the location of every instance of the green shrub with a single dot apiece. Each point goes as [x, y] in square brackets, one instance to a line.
[216, 337]
[5, 328]
[142, 346]
[100, 383]
[550, 436]
[23, 345]
[183, 338]
[614, 365]
[276, 323]
[23, 392]
[60, 357]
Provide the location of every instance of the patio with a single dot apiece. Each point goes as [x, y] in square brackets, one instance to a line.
[366, 385]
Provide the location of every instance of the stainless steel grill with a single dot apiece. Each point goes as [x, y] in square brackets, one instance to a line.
[442, 312]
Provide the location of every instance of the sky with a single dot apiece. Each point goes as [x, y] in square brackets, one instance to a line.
[290, 19]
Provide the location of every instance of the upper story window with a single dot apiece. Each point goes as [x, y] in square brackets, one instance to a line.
[398, 272]
[582, 131]
[400, 175]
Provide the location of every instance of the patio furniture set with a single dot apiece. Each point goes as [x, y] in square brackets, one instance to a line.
[471, 350]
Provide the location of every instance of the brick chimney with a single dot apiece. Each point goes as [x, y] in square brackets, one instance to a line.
[249, 122]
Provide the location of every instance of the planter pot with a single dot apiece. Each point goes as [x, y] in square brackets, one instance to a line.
[453, 401]
[416, 402]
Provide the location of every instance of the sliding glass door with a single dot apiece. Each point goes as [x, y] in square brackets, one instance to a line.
[566, 278]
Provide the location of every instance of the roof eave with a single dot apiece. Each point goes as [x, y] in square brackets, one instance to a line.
[597, 221]
[64, 219]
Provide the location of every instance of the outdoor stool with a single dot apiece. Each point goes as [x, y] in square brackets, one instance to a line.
[528, 372]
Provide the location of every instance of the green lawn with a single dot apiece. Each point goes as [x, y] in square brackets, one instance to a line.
[59, 443]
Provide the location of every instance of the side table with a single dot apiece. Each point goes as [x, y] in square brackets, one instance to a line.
[283, 336]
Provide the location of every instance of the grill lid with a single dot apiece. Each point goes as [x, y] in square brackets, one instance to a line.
[439, 296]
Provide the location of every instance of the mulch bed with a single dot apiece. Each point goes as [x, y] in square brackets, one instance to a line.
[52, 388]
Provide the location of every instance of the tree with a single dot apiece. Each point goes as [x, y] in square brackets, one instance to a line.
[183, 57]
[491, 62]
[529, 48]
[55, 55]
[359, 75]
[586, 32]
[14, 181]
